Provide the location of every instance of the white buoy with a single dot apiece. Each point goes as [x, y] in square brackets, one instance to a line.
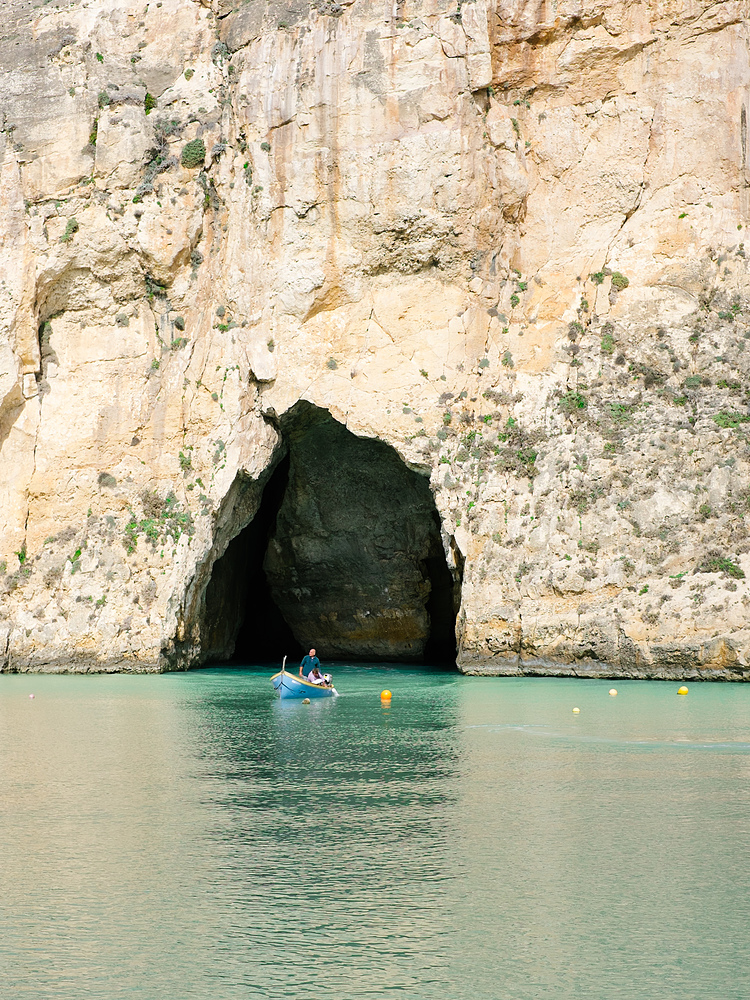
[613, 692]
[576, 711]
[31, 696]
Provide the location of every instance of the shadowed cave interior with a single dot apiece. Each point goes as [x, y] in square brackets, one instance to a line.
[344, 554]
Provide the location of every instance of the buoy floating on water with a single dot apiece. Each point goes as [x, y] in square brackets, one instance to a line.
[576, 711]
[682, 690]
[613, 692]
[305, 701]
[31, 696]
[385, 695]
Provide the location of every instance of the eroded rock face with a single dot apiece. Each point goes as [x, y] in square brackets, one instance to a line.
[505, 239]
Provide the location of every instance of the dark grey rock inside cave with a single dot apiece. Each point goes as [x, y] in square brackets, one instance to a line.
[344, 554]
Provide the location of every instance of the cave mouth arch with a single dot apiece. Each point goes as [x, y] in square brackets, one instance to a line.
[344, 553]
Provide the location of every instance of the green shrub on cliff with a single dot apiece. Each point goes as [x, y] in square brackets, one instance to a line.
[573, 401]
[193, 154]
[730, 420]
[619, 281]
[163, 519]
[716, 563]
[70, 230]
[608, 344]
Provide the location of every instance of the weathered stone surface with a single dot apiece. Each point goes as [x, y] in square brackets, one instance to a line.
[505, 239]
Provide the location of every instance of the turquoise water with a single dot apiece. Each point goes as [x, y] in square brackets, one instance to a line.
[186, 836]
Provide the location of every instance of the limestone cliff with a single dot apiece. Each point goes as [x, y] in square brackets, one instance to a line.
[505, 239]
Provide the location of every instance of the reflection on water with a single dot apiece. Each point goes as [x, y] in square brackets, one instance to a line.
[188, 836]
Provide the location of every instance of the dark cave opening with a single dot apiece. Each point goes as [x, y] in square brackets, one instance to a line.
[240, 612]
[344, 553]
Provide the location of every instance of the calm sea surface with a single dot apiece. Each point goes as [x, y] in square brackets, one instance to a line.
[179, 836]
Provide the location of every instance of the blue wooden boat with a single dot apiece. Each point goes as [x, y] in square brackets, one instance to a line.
[292, 686]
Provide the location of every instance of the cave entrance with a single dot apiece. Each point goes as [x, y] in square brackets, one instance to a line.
[344, 554]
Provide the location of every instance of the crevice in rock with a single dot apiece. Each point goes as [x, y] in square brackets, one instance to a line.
[345, 553]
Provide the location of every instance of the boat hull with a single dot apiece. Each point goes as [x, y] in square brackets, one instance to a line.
[291, 686]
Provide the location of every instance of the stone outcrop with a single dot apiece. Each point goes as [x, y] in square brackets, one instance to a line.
[506, 240]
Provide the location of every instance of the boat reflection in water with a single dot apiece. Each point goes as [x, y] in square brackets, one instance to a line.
[290, 686]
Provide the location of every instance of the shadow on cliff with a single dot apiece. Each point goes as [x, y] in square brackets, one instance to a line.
[344, 553]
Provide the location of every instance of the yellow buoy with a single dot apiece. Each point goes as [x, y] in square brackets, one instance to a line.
[385, 695]
[613, 692]
[682, 690]
[576, 711]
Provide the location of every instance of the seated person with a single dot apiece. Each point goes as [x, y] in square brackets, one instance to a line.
[315, 676]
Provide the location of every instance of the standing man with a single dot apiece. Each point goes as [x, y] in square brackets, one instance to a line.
[309, 663]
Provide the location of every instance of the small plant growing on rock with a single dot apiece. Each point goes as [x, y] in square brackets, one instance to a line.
[193, 154]
[107, 480]
[332, 364]
[620, 412]
[619, 281]
[70, 230]
[507, 360]
[730, 420]
[573, 401]
[608, 344]
[149, 103]
[716, 563]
